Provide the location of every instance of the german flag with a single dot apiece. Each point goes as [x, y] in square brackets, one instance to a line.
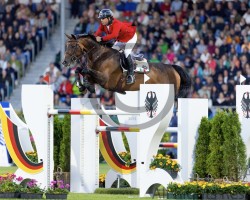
[110, 155]
[10, 132]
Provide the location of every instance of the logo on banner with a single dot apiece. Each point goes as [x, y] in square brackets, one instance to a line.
[151, 104]
[245, 102]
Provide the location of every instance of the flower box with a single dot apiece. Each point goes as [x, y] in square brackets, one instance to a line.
[166, 163]
[56, 196]
[172, 173]
[182, 196]
[31, 196]
[224, 196]
[7, 195]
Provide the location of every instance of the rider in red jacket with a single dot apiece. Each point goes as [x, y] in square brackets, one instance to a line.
[123, 33]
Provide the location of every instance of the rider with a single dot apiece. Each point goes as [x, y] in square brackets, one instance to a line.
[123, 33]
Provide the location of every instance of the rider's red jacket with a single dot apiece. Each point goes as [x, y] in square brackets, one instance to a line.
[120, 31]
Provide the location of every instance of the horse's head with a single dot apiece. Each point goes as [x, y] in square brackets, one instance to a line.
[78, 46]
[73, 52]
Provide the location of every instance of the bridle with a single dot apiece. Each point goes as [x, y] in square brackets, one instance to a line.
[76, 47]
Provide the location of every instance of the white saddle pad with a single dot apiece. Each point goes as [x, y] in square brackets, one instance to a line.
[141, 66]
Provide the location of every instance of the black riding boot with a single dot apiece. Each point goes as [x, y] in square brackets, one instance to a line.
[130, 73]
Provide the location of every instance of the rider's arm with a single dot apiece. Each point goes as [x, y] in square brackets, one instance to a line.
[99, 31]
[114, 34]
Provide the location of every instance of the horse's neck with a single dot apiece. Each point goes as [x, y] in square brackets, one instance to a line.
[92, 50]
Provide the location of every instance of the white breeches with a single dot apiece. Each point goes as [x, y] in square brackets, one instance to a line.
[126, 46]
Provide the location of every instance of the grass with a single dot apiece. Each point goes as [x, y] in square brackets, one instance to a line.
[72, 196]
[4, 170]
[103, 169]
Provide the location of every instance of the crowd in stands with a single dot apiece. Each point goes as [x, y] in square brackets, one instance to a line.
[24, 28]
[210, 39]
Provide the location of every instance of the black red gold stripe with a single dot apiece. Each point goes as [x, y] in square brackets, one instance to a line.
[12, 141]
[110, 155]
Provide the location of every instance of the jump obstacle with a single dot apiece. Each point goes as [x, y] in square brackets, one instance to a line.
[85, 143]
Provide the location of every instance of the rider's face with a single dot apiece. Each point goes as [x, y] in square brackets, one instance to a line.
[104, 21]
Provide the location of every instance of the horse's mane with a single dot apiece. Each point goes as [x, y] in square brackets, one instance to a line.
[108, 44]
[85, 36]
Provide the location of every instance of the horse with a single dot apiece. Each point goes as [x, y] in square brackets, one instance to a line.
[104, 68]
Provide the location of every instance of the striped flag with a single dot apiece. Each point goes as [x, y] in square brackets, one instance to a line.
[2, 142]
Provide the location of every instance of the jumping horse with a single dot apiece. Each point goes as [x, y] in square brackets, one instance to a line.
[103, 66]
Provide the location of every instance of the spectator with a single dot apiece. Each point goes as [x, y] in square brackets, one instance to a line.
[220, 101]
[3, 62]
[16, 65]
[246, 16]
[74, 8]
[176, 5]
[92, 26]
[53, 71]
[12, 72]
[81, 26]
[142, 6]
[67, 101]
[192, 31]
[41, 81]
[65, 88]
[205, 56]
[107, 100]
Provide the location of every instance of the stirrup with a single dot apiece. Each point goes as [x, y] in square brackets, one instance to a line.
[130, 79]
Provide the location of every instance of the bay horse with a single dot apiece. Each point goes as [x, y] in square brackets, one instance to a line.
[104, 68]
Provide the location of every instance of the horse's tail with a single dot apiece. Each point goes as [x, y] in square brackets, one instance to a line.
[185, 82]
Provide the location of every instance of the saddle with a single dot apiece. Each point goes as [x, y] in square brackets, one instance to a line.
[140, 63]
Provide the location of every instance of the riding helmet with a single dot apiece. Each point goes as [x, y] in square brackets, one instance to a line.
[105, 13]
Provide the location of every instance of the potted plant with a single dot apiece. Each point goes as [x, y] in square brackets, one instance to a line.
[166, 163]
[9, 185]
[30, 189]
[57, 190]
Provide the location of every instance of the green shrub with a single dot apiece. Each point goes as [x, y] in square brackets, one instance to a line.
[64, 159]
[214, 159]
[201, 148]
[57, 140]
[233, 148]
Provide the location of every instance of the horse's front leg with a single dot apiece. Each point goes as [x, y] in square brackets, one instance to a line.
[79, 84]
[85, 84]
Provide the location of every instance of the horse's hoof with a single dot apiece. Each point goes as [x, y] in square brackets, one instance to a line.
[91, 89]
[81, 89]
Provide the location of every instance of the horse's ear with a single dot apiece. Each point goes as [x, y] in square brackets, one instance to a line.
[68, 36]
[73, 36]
